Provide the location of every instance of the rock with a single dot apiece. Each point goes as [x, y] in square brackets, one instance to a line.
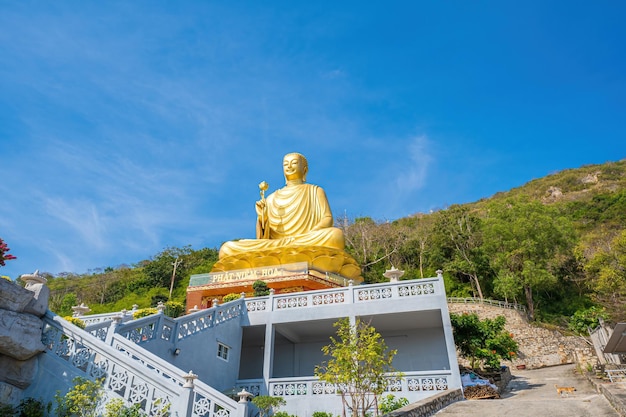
[590, 178]
[553, 193]
[20, 335]
[18, 373]
[14, 297]
[9, 394]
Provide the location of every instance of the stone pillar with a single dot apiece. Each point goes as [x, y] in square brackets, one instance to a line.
[243, 404]
[112, 328]
[160, 307]
[185, 404]
[350, 293]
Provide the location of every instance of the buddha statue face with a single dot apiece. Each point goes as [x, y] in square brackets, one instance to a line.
[295, 167]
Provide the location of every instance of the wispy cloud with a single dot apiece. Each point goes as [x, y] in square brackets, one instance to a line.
[414, 168]
[132, 126]
[81, 216]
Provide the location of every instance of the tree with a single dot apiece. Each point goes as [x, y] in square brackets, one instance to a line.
[523, 240]
[373, 244]
[69, 300]
[483, 342]
[416, 248]
[160, 270]
[607, 264]
[266, 404]
[4, 253]
[460, 231]
[260, 288]
[508, 286]
[360, 366]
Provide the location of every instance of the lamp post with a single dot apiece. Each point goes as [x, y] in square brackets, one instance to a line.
[393, 274]
[177, 262]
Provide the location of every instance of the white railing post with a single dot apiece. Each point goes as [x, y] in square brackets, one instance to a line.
[350, 295]
[113, 326]
[185, 402]
[243, 404]
[270, 300]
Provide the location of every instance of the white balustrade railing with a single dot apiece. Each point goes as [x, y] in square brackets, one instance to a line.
[347, 295]
[409, 382]
[147, 328]
[494, 303]
[99, 329]
[106, 317]
[253, 386]
[131, 373]
[162, 327]
[196, 322]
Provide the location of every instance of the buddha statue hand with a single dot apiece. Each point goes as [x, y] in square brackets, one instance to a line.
[261, 208]
[263, 227]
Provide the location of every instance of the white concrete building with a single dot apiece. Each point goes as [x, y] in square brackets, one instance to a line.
[265, 345]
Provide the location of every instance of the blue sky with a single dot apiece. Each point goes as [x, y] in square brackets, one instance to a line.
[127, 127]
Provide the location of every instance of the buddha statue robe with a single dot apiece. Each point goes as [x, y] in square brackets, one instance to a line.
[297, 215]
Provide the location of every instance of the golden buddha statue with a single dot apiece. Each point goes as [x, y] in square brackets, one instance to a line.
[294, 224]
[296, 215]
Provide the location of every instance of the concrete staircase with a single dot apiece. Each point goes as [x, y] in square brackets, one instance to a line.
[113, 352]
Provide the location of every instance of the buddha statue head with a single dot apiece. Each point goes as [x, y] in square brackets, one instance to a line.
[295, 167]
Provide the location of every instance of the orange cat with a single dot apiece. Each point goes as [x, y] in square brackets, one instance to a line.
[562, 390]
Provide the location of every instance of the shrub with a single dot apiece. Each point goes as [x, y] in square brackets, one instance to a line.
[581, 320]
[231, 297]
[117, 408]
[30, 407]
[260, 288]
[483, 342]
[144, 312]
[80, 401]
[391, 403]
[283, 414]
[266, 404]
[174, 309]
[75, 321]
[7, 410]
[322, 414]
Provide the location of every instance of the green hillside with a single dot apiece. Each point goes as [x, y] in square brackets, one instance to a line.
[556, 244]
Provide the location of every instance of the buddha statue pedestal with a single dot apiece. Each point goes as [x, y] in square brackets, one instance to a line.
[284, 270]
